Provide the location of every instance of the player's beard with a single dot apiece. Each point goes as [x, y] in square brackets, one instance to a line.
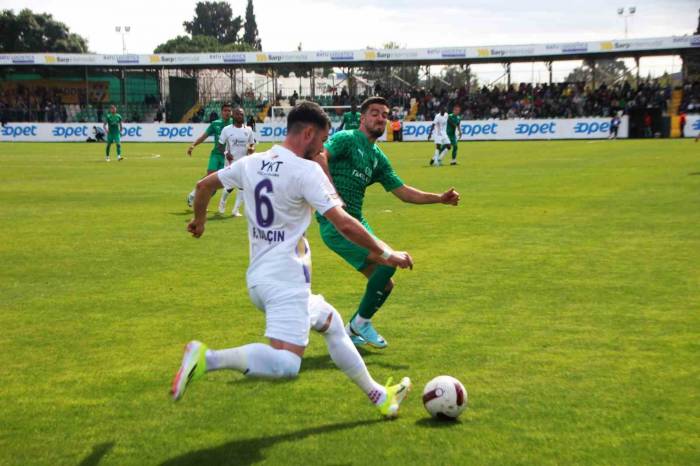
[375, 132]
[309, 154]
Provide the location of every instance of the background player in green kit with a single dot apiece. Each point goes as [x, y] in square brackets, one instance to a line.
[113, 127]
[453, 120]
[353, 162]
[217, 160]
[351, 119]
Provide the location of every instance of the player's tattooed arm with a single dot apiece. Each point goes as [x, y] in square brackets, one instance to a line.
[202, 195]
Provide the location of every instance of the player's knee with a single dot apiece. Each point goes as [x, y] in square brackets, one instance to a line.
[287, 365]
[324, 316]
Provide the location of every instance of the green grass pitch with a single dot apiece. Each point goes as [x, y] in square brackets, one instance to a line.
[564, 292]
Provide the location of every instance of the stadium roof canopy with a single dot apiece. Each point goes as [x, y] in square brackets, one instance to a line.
[675, 45]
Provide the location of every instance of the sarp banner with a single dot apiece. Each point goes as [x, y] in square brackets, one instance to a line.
[479, 130]
[523, 130]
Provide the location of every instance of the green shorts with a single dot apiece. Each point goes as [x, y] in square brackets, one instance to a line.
[352, 253]
[216, 162]
[453, 139]
[114, 138]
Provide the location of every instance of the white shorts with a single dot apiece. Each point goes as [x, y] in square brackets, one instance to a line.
[286, 311]
[442, 139]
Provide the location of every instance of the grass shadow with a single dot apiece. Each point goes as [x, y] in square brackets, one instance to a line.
[434, 423]
[251, 451]
[98, 452]
[324, 362]
[694, 174]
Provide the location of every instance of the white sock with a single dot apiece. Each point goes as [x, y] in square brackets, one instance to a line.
[255, 360]
[343, 352]
[437, 154]
[359, 320]
[231, 358]
[442, 154]
[224, 198]
[239, 201]
[192, 193]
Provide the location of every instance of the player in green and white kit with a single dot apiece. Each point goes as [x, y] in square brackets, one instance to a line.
[113, 128]
[217, 160]
[353, 162]
[351, 119]
[453, 121]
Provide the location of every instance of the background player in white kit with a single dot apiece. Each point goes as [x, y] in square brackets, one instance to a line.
[281, 186]
[442, 142]
[236, 141]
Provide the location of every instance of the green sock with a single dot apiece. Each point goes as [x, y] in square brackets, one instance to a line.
[375, 293]
[109, 144]
[454, 152]
[119, 150]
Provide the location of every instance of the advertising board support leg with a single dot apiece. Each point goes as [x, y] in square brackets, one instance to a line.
[312, 83]
[549, 69]
[87, 87]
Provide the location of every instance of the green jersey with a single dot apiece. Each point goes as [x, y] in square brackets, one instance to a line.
[354, 164]
[113, 120]
[215, 128]
[351, 120]
[452, 123]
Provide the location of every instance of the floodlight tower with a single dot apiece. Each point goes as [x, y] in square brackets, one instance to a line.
[622, 14]
[123, 30]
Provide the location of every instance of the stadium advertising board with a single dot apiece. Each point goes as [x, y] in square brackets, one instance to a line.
[479, 130]
[692, 126]
[515, 130]
[487, 52]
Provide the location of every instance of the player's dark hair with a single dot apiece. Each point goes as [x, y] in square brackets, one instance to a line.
[226, 104]
[373, 100]
[307, 113]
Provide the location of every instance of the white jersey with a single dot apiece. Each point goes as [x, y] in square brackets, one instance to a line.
[236, 140]
[440, 122]
[280, 190]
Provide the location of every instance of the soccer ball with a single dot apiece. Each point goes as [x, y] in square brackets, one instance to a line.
[445, 397]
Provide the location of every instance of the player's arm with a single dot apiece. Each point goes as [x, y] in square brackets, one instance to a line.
[202, 196]
[224, 149]
[416, 196]
[251, 143]
[197, 142]
[322, 159]
[353, 230]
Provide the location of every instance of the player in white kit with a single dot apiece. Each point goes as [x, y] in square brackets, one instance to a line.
[281, 188]
[236, 141]
[442, 142]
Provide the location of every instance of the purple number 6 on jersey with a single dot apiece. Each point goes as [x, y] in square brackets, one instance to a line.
[265, 216]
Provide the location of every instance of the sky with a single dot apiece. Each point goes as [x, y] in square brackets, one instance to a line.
[356, 24]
